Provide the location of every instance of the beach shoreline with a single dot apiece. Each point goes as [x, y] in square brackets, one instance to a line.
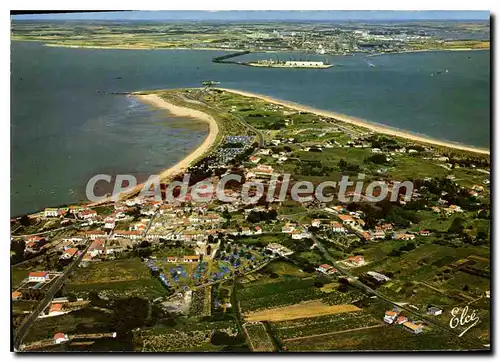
[181, 166]
[180, 111]
[376, 127]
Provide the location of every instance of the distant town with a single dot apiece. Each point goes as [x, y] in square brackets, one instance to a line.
[322, 38]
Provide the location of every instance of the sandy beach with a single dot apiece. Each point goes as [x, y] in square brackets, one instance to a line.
[362, 123]
[179, 111]
[184, 164]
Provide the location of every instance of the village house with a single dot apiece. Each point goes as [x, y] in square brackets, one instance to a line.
[378, 277]
[300, 234]
[357, 260]
[60, 338]
[279, 249]
[109, 223]
[378, 234]
[401, 319]
[139, 226]
[246, 231]
[16, 295]
[453, 209]
[366, 235]
[316, 223]
[265, 151]
[96, 248]
[390, 316]
[424, 232]
[347, 220]
[191, 258]
[70, 253]
[254, 159]
[326, 269]
[434, 310]
[127, 234]
[95, 234]
[263, 171]
[38, 277]
[87, 214]
[337, 227]
[51, 212]
[412, 327]
[55, 309]
[31, 247]
[404, 236]
[172, 259]
[74, 239]
[36, 239]
[288, 228]
[75, 209]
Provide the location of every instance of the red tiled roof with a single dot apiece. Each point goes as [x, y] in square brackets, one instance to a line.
[59, 335]
[72, 251]
[56, 307]
[38, 274]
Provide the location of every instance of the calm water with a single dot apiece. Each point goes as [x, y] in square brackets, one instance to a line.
[63, 131]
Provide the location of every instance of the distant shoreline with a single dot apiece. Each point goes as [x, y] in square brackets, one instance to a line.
[118, 47]
[376, 127]
[428, 50]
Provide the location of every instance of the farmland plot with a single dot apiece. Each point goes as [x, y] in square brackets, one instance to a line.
[259, 339]
[313, 308]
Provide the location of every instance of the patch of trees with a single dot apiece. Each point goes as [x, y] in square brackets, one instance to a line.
[378, 158]
[382, 142]
[259, 216]
[457, 226]
[405, 247]
[349, 168]
[129, 313]
[298, 245]
[313, 168]
[220, 338]
[17, 247]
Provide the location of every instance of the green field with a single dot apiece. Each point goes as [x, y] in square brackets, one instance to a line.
[116, 278]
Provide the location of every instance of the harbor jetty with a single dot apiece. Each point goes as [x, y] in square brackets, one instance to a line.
[272, 63]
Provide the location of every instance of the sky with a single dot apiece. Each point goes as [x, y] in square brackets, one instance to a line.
[264, 15]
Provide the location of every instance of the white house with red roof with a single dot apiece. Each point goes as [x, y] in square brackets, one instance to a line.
[357, 260]
[87, 214]
[60, 338]
[69, 253]
[109, 223]
[390, 316]
[95, 234]
[38, 276]
[347, 220]
[337, 227]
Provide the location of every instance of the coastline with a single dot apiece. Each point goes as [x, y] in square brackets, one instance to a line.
[181, 166]
[427, 50]
[379, 128]
[124, 47]
[213, 130]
